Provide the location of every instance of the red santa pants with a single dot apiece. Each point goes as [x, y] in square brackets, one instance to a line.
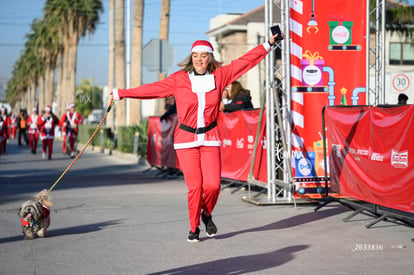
[47, 143]
[201, 167]
[64, 144]
[33, 138]
[13, 132]
[72, 140]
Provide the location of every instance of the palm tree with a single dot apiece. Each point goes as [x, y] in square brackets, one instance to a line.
[120, 59]
[75, 19]
[31, 66]
[111, 59]
[48, 46]
[136, 58]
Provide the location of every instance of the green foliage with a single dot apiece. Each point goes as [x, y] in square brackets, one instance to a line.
[127, 136]
[104, 137]
[143, 138]
[88, 97]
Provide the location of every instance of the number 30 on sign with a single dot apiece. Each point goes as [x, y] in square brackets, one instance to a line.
[400, 82]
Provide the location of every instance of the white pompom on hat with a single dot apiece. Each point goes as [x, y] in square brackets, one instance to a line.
[202, 46]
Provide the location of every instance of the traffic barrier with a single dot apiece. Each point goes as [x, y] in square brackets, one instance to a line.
[370, 154]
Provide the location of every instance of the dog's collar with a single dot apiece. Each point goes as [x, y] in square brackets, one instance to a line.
[28, 224]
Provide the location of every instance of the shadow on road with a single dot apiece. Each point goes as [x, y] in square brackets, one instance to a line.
[74, 230]
[288, 222]
[240, 264]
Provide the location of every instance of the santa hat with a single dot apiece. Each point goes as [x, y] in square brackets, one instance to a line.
[48, 108]
[34, 109]
[70, 105]
[202, 46]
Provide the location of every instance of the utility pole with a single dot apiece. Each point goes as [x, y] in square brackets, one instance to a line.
[164, 31]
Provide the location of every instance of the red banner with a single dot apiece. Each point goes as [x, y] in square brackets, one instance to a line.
[238, 132]
[328, 57]
[370, 154]
[160, 148]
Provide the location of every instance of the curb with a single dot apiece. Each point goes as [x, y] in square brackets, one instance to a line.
[134, 158]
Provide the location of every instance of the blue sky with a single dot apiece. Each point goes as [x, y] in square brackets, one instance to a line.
[188, 22]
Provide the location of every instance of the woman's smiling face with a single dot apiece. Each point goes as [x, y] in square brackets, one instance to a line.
[200, 61]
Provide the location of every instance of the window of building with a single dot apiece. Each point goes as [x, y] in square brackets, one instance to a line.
[401, 53]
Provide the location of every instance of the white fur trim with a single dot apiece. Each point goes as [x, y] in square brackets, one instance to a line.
[267, 46]
[202, 83]
[115, 94]
[202, 48]
[193, 144]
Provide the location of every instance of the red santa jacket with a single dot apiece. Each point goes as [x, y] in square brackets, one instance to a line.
[69, 123]
[47, 126]
[5, 122]
[3, 129]
[32, 122]
[197, 97]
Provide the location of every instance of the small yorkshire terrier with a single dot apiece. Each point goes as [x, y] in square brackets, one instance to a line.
[35, 215]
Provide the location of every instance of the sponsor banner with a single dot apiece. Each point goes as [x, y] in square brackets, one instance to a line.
[160, 146]
[371, 154]
[328, 64]
[238, 133]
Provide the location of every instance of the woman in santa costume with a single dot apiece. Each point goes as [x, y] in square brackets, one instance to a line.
[69, 124]
[13, 126]
[3, 130]
[198, 89]
[6, 122]
[32, 121]
[47, 124]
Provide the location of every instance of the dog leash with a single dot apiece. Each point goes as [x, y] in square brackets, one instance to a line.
[83, 149]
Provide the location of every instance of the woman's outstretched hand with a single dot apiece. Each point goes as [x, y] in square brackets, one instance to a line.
[273, 39]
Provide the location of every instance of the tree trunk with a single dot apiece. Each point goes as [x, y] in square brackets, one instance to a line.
[136, 59]
[120, 59]
[32, 96]
[164, 31]
[41, 93]
[111, 61]
[60, 94]
[70, 76]
[49, 79]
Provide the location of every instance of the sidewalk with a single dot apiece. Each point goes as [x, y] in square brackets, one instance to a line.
[111, 218]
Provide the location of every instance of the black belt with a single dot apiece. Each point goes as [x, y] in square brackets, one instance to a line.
[201, 130]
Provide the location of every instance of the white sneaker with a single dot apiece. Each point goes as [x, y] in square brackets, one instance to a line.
[44, 155]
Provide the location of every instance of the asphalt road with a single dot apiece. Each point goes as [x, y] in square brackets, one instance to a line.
[109, 217]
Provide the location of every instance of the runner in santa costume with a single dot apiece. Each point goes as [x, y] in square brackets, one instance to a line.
[47, 124]
[3, 129]
[13, 126]
[69, 124]
[32, 121]
[6, 123]
[198, 89]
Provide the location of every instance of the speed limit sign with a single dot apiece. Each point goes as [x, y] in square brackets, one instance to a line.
[401, 82]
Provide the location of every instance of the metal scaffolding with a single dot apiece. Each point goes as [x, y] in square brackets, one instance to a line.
[280, 182]
[279, 172]
[376, 53]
